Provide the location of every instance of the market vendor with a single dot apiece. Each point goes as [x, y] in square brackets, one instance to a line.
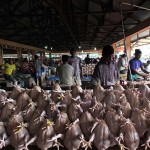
[135, 66]
[66, 72]
[75, 62]
[106, 72]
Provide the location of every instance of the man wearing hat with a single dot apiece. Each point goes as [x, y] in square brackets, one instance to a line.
[135, 65]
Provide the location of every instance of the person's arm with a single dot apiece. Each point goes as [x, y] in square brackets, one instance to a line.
[133, 69]
[144, 70]
[138, 73]
[123, 63]
[14, 70]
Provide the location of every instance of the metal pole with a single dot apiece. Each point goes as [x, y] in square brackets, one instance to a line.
[124, 42]
[144, 8]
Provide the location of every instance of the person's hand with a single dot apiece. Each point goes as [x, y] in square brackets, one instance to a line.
[146, 76]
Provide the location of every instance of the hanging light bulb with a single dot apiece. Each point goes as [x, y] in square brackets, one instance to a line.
[95, 48]
[79, 47]
[45, 47]
[51, 48]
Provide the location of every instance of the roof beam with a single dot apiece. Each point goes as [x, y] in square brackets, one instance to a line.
[139, 27]
[64, 19]
[129, 14]
[19, 45]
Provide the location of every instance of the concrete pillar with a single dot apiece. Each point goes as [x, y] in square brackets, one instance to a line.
[19, 53]
[41, 56]
[128, 47]
[33, 55]
[115, 48]
[50, 55]
[1, 55]
[44, 56]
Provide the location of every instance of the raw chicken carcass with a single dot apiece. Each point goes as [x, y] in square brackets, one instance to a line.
[22, 101]
[29, 111]
[145, 103]
[43, 100]
[101, 135]
[46, 137]
[72, 139]
[56, 88]
[110, 99]
[96, 109]
[129, 135]
[86, 123]
[139, 120]
[86, 101]
[3, 97]
[74, 111]
[52, 110]
[144, 90]
[19, 138]
[60, 122]
[13, 122]
[36, 123]
[99, 92]
[7, 110]
[124, 106]
[133, 98]
[118, 87]
[147, 143]
[77, 91]
[3, 135]
[112, 120]
[34, 93]
[15, 92]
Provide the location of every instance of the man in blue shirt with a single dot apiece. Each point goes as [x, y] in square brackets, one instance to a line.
[135, 65]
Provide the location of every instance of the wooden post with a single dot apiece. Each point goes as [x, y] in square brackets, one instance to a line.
[33, 55]
[19, 54]
[44, 56]
[41, 56]
[1, 55]
[115, 48]
[128, 46]
[50, 55]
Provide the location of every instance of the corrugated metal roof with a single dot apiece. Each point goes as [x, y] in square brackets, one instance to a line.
[65, 24]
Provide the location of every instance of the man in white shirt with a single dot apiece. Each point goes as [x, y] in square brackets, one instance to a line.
[65, 72]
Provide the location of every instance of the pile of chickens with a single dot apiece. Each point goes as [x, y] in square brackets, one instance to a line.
[75, 119]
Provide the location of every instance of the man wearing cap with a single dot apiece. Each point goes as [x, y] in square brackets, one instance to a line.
[135, 65]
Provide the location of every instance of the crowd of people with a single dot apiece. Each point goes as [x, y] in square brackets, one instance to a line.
[11, 68]
[107, 71]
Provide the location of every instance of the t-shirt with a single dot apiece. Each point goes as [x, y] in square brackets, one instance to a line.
[8, 69]
[65, 72]
[135, 64]
[105, 73]
[25, 67]
[122, 63]
[75, 62]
